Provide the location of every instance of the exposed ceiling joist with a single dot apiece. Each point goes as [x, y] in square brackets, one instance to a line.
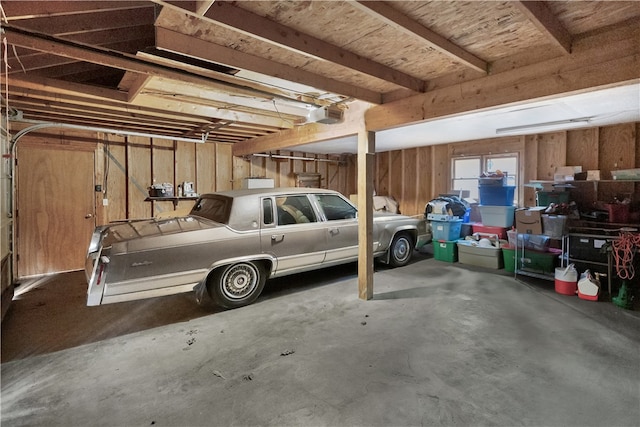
[126, 62]
[540, 15]
[191, 46]
[403, 23]
[16, 10]
[256, 26]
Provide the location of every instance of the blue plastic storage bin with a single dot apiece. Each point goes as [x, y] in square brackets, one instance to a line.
[446, 230]
[496, 196]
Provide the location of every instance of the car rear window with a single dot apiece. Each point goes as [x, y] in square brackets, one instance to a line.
[214, 208]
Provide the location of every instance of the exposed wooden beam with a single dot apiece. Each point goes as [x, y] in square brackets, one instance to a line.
[95, 113]
[125, 61]
[203, 95]
[254, 25]
[179, 107]
[61, 87]
[15, 10]
[138, 83]
[600, 60]
[39, 61]
[93, 21]
[85, 96]
[399, 21]
[366, 159]
[183, 44]
[203, 5]
[548, 24]
[312, 132]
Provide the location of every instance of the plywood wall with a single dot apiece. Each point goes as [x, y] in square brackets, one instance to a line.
[609, 148]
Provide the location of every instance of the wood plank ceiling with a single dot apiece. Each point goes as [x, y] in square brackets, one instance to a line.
[234, 71]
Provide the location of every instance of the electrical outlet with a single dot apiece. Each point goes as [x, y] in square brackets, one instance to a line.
[105, 202]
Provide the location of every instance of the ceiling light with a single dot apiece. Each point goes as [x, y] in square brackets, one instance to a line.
[543, 125]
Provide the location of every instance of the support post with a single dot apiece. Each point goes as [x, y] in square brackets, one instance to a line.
[366, 156]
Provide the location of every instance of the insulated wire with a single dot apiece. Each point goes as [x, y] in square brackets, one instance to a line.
[624, 250]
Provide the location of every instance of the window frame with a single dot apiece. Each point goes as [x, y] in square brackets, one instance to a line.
[483, 162]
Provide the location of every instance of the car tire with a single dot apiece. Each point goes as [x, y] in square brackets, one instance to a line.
[401, 250]
[236, 285]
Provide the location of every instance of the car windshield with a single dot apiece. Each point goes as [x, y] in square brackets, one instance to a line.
[214, 208]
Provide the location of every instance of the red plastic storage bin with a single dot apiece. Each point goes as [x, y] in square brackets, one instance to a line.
[488, 229]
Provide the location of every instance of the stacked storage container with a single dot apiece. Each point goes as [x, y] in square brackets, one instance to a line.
[445, 233]
[496, 205]
[445, 216]
[497, 212]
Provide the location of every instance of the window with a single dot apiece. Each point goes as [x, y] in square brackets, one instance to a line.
[466, 170]
[294, 210]
[335, 207]
[216, 208]
[267, 211]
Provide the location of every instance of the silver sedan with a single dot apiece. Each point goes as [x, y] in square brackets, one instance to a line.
[231, 242]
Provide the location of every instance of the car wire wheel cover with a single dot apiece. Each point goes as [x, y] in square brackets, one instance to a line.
[240, 280]
[401, 249]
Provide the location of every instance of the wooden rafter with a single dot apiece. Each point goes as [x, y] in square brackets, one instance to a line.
[126, 62]
[403, 23]
[89, 22]
[16, 10]
[540, 15]
[191, 46]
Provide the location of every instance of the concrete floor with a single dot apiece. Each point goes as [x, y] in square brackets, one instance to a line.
[440, 344]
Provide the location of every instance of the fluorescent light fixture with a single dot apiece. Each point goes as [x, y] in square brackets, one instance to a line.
[543, 125]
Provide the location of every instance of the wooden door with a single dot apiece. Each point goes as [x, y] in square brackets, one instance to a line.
[56, 209]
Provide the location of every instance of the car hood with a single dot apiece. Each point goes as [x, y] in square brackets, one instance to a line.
[132, 230]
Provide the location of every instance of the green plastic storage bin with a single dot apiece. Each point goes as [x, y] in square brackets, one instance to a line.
[545, 198]
[444, 250]
[509, 257]
[544, 262]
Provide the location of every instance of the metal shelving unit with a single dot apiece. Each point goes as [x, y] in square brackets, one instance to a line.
[520, 252]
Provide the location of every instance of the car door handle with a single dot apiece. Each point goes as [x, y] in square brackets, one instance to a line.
[275, 238]
[334, 231]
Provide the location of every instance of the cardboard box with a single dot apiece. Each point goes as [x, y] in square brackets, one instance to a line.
[529, 220]
[593, 175]
[566, 173]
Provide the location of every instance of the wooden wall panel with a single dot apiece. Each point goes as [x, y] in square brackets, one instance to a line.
[509, 144]
[617, 148]
[441, 169]
[116, 183]
[205, 168]
[286, 172]
[163, 171]
[552, 153]
[271, 170]
[351, 171]
[409, 204]
[185, 167]
[395, 174]
[241, 169]
[530, 160]
[297, 166]
[139, 173]
[322, 169]
[382, 175]
[333, 176]
[224, 167]
[257, 167]
[424, 181]
[583, 148]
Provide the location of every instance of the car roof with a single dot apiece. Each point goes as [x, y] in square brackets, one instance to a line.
[271, 191]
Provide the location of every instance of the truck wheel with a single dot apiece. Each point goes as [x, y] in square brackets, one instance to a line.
[401, 250]
[236, 285]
